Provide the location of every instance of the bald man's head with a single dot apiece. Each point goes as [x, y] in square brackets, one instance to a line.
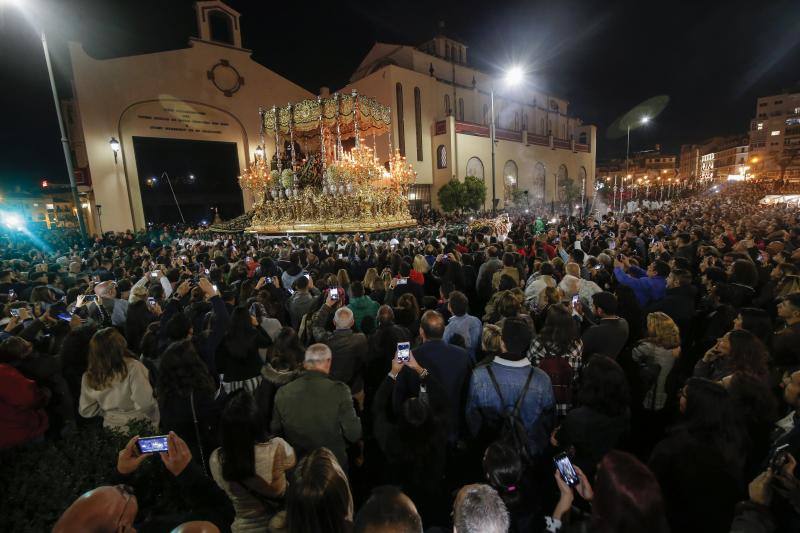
[102, 510]
[432, 325]
[388, 510]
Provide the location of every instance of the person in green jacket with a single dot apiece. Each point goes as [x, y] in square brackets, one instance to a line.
[315, 411]
[361, 305]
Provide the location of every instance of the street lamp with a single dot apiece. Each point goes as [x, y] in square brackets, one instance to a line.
[64, 139]
[115, 146]
[644, 120]
[514, 76]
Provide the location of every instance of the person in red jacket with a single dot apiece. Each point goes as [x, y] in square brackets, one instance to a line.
[22, 415]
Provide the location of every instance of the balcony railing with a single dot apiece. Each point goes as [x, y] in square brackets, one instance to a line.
[481, 130]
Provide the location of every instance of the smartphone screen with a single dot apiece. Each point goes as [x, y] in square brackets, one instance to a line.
[66, 317]
[403, 351]
[206, 271]
[151, 301]
[152, 444]
[402, 281]
[575, 300]
[15, 312]
[334, 294]
[154, 274]
[11, 294]
[565, 468]
[90, 298]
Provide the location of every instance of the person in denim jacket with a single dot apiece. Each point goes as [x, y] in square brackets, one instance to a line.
[511, 369]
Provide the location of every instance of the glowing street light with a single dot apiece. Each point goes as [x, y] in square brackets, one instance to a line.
[514, 76]
[12, 220]
[643, 121]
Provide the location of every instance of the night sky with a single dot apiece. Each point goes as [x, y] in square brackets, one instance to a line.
[712, 58]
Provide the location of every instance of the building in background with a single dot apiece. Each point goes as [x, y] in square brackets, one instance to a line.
[716, 159]
[647, 172]
[440, 122]
[775, 136]
[49, 208]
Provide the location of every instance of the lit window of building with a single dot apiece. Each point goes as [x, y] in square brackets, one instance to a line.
[760, 126]
[775, 132]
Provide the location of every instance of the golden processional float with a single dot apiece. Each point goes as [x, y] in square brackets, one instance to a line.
[328, 190]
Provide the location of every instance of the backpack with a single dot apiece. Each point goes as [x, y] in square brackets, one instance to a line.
[507, 427]
[561, 373]
[649, 371]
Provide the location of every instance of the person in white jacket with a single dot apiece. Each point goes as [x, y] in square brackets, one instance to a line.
[116, 385]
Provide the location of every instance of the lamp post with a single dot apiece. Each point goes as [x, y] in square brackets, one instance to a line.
[514, 76]
[64, 139]
[643, 120]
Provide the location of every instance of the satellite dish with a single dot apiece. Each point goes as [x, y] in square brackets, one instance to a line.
[638, 116]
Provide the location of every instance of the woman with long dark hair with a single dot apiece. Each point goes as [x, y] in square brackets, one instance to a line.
[757, 322]
[319, 497]
[115, 385]
[237, 357]
[603, 417]
[559, 338]
[250, 467]
[186, 399]
[699, 464]
[505, 472]
[738, 351]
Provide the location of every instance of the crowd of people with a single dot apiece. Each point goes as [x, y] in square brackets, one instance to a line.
[608, 374]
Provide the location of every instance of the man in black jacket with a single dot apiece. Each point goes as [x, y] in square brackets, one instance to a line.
[449, 364]
[115, 508]
[680, 297]
[609, 333]
[382, 349]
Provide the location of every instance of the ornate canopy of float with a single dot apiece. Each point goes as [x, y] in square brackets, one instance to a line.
[312, 184]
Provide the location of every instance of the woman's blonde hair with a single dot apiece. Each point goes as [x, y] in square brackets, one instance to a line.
[662, 330]
[343, 277]
[491, 338]
[370, 276]
[106, 362]
[420, 264]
